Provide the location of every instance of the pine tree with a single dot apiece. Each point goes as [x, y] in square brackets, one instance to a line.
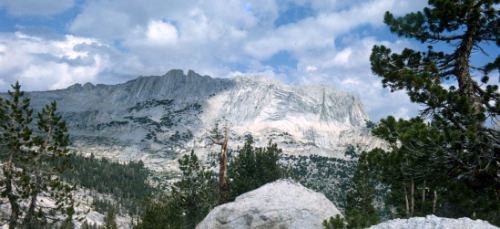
[449, 162]
[162, 212]
[51, 143]
[410, 165]
[221, 139]
[360, 212]
[26, 168]
[15, 118]
[254, 167]
[195, 192]
[110, 219]
[472, 148]
[189, 201]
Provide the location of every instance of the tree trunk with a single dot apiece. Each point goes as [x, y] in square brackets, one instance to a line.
[223, 186]
[14, 206]
[434, 202]
[412, 197]
[462, 68]
[38, 177]
[28, 219]
[407, 204]
[9, 191]
[423, 197]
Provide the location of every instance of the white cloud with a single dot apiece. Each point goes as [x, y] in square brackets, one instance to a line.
[41, 64]
[311, 68]
[343, 57]
[348, 69]
[155, 34]
[320, 31]
[161, 33]
[114, 40]
[35, 7]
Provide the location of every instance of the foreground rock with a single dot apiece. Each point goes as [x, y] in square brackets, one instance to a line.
[281, 204]
[434, 222]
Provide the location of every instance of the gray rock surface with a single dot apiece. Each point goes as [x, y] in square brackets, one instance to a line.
[281, 204]
[158, 118]
[434, 222]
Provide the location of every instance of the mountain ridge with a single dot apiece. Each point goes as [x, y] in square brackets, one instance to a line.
[158, 118]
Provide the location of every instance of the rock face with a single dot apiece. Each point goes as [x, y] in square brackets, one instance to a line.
[434, 222]
[157, 118]
[281, 204]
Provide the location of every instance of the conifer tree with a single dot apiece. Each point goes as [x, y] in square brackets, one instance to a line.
[51, 143]
[15, 118]
[472, 147]
[452, 147]
[26, 169]
[254, 167]
[195, 192]
[360, 212]
[110, 219]
[216, 137]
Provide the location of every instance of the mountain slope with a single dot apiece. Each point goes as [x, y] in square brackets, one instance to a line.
[157, 118]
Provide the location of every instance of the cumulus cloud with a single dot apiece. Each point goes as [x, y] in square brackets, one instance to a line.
[115, 40]
[161, 33]
[35, 7]
[348, 69]
[41, 64]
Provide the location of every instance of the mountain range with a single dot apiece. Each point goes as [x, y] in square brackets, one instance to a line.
[157, 118]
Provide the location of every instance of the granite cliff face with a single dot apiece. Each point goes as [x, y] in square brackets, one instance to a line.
[157, 118]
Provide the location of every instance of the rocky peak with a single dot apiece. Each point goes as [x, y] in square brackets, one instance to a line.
[157, 118]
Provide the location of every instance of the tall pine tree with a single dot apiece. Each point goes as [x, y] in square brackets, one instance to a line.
[27, 168]
[472, 149]
[360, 212]
[453, 146]
[254, 167]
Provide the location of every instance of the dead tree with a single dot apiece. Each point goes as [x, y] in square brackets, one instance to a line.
[222, 140]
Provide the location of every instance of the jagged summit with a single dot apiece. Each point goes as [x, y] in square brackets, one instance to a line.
[155, 118]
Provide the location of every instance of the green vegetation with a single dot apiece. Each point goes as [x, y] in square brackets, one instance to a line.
[151, 103]
[254, 167]
[330, 176]
[359, 211]
[445, 161]
[196, 193]
[126, 182]
[334, 223]
[189, 201]
[27, 156]
[110, 219]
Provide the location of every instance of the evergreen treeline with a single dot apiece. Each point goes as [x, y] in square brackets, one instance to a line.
[330, 176]
[196, 193]
[254, 167]
[126, 182]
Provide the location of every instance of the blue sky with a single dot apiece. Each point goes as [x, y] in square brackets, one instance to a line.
[50, 44]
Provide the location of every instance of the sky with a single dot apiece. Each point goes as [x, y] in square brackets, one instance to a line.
[47, 44]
